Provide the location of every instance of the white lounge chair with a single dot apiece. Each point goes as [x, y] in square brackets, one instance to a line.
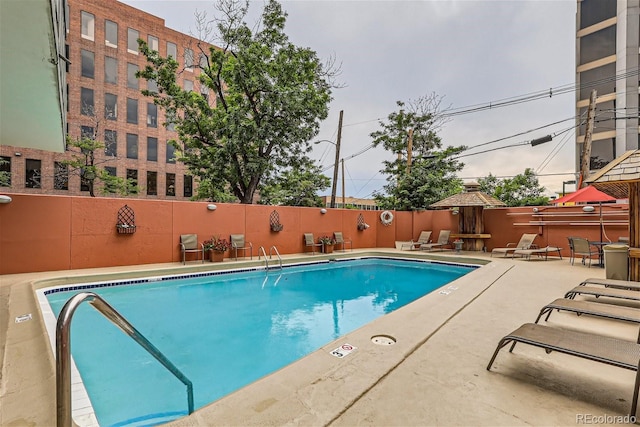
[526, 242]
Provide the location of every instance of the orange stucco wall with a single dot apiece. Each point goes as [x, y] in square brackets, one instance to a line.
[46, 233]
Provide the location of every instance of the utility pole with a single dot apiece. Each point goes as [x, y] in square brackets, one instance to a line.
[409, 150]
[586, 146]
[335, 165]
[343, 204]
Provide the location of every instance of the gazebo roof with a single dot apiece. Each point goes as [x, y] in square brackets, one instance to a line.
[614, 178]
[471, 197]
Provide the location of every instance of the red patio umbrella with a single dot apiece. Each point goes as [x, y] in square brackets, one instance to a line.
[585, 195]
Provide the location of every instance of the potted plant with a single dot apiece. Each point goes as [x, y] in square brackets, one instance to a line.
[327, 244]
[216, 246]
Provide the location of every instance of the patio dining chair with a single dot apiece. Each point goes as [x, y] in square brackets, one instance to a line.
[584, 249]
[310, 242]
[238, 244]
[189, 244]
[340, 240]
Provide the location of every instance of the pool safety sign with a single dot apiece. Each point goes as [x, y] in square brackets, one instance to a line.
[343, 350]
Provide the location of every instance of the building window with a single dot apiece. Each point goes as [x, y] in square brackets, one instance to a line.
[87, 63]
[594, 11]
[84, 183]
[171, 153]
[602, 79]
[132, 146]
[110, 143]
[67, 54]
[88, 25]
[86, 132]
[5, 171]
[86, 101]
[171, 184]
[33, 173]
[188, 59]
[110, 106]
[132, 176]
[60, 176]
[110, 70]
[132, 80]
[152, 183]
[110, 33]
[602, 152]
[132, 110]
[67, 14]
[152, 41]
[152, 149]
[203, 61]
[152, 115]
[109, 187]
[132, 40]
[188, 186]
[152, 86]
[204, 91]
[172, 50]
[598, 45]
[188, 85]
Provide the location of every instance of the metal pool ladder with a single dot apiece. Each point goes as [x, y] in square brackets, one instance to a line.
[63, 352]
[271, 250]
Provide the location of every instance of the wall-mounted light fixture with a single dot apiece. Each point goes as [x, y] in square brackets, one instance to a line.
[211, 207]
[17, 154]
[588, 209]
[323, 211]
[455, 211]
[5, 199]
[535, 210]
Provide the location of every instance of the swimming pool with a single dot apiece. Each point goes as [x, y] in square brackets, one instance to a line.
[225, 331]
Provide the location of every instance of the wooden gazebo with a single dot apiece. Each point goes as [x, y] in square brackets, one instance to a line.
[621, 179]
[470, 205]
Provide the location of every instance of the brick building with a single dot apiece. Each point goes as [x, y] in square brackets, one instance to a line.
[104, 100]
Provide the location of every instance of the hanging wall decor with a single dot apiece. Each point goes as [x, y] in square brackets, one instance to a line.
[126, 221]
[274, 220]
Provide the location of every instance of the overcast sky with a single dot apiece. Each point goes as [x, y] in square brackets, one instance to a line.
[472, 53]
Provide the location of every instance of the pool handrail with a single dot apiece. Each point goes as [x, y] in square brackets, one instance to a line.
[266, 261]
[271, 250]
[63, 352]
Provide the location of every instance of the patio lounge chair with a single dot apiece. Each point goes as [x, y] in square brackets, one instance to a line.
[443, 240]
[612, 283]
[612, 351]
[603, 292]
[189, 244]
[526, 253]
[340, 240]
[238, 244]
[526, 242]
[309, 241]
[425, 237]
[608, 311]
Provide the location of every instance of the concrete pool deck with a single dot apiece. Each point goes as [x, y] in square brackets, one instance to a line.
[434, 374]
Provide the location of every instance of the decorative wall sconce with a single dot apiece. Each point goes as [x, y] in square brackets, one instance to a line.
[588, 209]
[455, 211]
[323, 211]
[126, 221]
[211, 207]
[274, 221]
[5, 199]
[361, 224]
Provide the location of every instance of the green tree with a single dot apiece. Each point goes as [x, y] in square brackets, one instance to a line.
[83, 163]
[295, 187]
[521, 190]
[432, 175]
[270, 99]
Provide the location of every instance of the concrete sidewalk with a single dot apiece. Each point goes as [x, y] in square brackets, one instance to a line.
[434, 374]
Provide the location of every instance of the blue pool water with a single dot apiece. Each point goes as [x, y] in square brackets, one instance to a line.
[225, 331]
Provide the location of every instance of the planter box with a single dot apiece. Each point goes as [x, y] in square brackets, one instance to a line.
[327, 249]
[216, 256]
